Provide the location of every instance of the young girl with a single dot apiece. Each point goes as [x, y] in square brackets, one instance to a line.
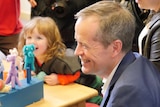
[52, 58]
[49, 51]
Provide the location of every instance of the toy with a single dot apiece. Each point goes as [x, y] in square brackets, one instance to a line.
[13, 51]
[29, 60]
[19, 60]
[19, 63]
[27, 93]
[1, 69]
[13, 72]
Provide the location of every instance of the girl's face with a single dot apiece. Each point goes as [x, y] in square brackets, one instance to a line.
[40, 42]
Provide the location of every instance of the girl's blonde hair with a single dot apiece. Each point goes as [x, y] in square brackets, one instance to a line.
[47, 27]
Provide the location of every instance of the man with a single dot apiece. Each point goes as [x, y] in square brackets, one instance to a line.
[104, 33]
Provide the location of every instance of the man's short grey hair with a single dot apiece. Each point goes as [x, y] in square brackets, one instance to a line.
[116, 22]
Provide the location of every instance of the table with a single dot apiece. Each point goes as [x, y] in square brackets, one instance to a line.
[72, 95]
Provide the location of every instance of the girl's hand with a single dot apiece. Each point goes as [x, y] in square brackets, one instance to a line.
[33, 3]
[33, 73]
[51, 79]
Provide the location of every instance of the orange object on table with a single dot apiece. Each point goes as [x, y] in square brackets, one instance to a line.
[5, 74]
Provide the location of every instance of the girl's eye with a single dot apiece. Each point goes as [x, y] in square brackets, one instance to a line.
[29, 37]
[39, 38]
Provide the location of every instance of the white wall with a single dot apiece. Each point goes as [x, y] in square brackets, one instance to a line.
[25, 9]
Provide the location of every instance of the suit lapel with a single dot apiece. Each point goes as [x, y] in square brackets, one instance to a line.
[126, 61]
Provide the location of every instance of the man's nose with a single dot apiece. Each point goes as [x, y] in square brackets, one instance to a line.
[78, 50]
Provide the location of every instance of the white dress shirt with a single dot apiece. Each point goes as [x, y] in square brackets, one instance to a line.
[107, 81]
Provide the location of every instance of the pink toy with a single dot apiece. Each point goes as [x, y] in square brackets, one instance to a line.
[13, 72]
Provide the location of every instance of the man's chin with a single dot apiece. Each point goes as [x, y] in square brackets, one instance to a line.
[86, 71]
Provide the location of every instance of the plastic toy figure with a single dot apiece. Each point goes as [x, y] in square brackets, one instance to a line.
[29, 56]
[19, 60]
[13, 51]
[1, 70]
[29, 60]
[13, 72]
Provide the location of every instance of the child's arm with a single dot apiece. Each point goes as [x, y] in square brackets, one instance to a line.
[54, 79]
[66, 79]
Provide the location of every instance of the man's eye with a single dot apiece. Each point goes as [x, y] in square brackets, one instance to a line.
[84, 46]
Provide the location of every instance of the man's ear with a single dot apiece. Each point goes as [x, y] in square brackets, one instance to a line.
[117, 47]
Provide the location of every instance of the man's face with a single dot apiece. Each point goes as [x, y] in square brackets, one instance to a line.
[95, 58]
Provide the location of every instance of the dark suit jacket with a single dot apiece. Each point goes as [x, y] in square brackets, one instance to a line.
[151, 48]
[136, 83]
